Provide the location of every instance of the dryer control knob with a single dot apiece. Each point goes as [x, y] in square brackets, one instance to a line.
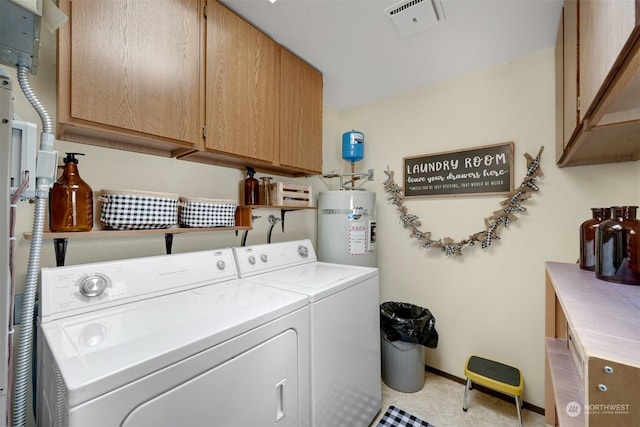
[93, 285]
[263, 258]
[221, 265]
[303, 251]
[252, 260]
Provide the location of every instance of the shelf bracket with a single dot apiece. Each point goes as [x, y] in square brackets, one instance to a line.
[60, 247]
[168, 242]
[282, 212]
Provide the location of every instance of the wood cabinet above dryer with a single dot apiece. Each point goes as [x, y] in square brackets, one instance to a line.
[124, 80]
[263, 103]
[187, 79]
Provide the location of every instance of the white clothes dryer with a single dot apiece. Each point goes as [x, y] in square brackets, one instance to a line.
[344, 326]
[173, 340]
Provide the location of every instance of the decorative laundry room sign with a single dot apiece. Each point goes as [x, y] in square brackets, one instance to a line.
[475, 171]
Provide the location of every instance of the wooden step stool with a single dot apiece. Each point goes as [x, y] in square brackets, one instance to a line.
[496, 376]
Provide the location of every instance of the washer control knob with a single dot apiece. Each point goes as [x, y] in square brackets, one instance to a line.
[303, 251]
[263, 258]
[252, 260]
[93, 285]
[221, 265]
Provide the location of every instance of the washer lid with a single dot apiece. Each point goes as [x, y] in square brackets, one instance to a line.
[101, 351]
[317, 280]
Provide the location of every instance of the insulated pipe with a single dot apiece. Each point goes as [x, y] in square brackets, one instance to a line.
[25, 85]
[23, 360]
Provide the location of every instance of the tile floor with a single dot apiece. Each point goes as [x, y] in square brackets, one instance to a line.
[440, 403]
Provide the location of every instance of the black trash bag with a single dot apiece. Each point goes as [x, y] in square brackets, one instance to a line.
[408, 323]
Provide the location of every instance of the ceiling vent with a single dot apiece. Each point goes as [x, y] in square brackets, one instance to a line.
[413, 16]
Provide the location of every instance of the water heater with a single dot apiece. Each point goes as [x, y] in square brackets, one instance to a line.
[347, 227]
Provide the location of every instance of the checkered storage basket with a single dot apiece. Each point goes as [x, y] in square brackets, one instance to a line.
[138, 210]
[196, 212]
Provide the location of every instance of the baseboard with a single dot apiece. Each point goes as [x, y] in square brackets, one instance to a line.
[463, 381]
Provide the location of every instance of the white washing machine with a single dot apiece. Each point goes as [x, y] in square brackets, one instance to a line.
[344, 326]
[173, 340]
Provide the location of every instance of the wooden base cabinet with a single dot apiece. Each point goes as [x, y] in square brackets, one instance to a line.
[592, 363]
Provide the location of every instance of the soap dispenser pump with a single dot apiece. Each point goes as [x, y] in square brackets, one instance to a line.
[70, 200]
[251, 188]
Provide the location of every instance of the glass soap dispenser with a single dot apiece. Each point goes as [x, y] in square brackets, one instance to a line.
[70, 200]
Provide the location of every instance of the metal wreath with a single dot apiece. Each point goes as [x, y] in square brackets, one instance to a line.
[501, 217]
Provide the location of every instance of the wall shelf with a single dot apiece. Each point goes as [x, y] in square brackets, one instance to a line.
[60, 239]
[243, 223]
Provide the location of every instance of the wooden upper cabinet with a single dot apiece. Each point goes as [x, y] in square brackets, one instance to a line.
[570, 73]
[600, 82]
[605, 27]
[300, 114]
[242, 88]
[263, 103]
[130, 75]
[188, 79]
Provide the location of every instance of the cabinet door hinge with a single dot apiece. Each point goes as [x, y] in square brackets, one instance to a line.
[204, 11]
[204, 132]
[578, 104]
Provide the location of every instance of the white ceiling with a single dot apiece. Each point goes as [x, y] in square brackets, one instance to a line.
[364, 59]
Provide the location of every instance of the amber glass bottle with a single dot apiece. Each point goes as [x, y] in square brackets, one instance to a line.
[251, 188]
[588, 237]
[70, 200]
[618, 247]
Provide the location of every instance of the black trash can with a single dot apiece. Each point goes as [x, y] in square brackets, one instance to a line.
[405, 329]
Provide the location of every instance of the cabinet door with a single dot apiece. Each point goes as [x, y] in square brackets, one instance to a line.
[301, 114]
[605, 27]
[131, 69]
[571, 71]
[559, 55]
[242, 87]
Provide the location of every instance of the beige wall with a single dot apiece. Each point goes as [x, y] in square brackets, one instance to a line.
[487, 302]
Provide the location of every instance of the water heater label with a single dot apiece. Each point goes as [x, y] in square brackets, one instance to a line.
[357, 238]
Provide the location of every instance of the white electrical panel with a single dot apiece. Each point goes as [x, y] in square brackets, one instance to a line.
[23, 158]
[34, 6]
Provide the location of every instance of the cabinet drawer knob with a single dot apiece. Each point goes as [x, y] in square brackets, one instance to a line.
[602, 387]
